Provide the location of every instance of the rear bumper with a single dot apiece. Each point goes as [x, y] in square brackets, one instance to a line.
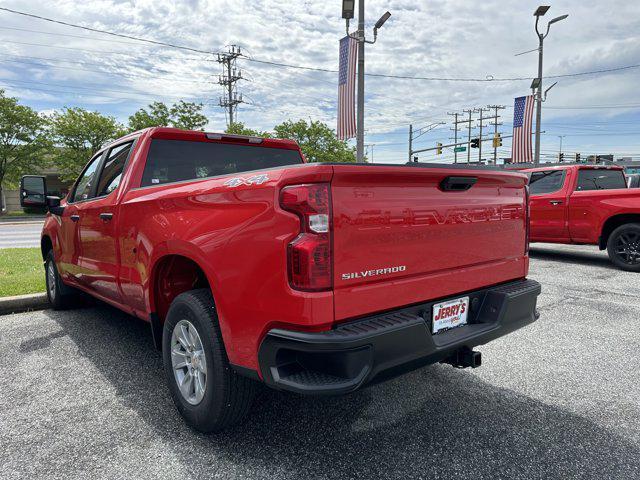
[374, 348]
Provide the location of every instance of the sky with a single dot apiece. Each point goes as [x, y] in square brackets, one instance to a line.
[49, 66]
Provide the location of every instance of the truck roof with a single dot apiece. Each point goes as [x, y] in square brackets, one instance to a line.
[572, 167]
[179, 134]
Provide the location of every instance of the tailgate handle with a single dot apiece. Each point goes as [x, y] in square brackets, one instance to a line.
[457, 184]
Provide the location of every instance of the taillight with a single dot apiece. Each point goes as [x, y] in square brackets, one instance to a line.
[527, 219]
[309, 254]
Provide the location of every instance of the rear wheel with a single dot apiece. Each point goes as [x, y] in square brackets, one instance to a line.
[623, 247]
[60, 295]
[206, 391]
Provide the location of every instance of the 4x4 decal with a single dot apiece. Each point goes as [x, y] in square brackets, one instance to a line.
[254, 180]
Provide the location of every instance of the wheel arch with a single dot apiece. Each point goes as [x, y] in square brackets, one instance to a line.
[173, 273]
[614, 222]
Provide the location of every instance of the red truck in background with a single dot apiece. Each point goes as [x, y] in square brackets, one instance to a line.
[587, 204]
[252, 265]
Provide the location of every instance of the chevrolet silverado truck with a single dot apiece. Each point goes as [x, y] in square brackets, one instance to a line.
[251, 265]
[587, 205]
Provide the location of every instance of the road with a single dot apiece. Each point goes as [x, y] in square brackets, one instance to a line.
[83, 396]
[20, 234]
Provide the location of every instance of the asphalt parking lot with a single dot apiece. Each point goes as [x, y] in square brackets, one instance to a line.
[83, 396]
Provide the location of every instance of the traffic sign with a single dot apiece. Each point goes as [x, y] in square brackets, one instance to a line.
[460, 149]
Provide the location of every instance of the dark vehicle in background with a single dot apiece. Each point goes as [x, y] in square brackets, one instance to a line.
[633, 180]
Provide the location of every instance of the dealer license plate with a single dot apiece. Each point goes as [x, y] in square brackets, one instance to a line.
[450, 314]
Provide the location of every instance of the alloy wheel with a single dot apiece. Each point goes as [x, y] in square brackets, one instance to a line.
[627, 247]
[51, 279]
[189, 362]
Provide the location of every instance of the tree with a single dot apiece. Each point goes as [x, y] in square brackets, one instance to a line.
[23, 143]
[238, 128]
[185, 115]
[78, 134]
[317, 141]
[157, 116]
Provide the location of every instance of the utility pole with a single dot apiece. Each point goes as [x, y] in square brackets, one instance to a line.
[410, 140]
[470, 112]
[369, 148]
[455, 134]
[540, 11]
[495, 124]
[230, 75]
[347, 14]
[480, 124]
[415, 134]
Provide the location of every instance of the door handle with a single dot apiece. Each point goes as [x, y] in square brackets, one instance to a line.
[106, 216]
[555, 202]
[74, 218]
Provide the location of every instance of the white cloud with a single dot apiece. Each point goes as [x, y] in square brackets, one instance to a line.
[442, 38]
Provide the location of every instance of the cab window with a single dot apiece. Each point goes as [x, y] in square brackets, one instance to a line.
[546, 181]
[113, 168]
[86, 182]
[596, 179]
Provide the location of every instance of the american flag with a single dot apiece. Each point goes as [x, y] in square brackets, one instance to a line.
[522, 121]
[346, 88]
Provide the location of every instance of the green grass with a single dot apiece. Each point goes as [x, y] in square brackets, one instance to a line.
[21, 271]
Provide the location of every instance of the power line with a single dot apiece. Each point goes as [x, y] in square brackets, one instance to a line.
[488, 78]
[103, 64]
[97, 30]
[103, 72]
[93, 50]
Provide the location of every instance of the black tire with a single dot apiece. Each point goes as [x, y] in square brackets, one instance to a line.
[61, 296]
[623, 247]
[228, 396]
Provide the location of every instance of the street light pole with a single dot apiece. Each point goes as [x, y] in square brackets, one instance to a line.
[536, 159]
[347, 14]
[360, 106]
[540, 11]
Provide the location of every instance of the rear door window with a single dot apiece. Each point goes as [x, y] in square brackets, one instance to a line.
[178, 160]
[113, 168]
[548, 181]
[596, 179]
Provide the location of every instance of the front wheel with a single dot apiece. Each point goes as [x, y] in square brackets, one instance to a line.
[60, 295]
[206, 391]
[623, 247]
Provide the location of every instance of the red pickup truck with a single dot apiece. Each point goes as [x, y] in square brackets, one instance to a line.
[587, 204]
[252, 265]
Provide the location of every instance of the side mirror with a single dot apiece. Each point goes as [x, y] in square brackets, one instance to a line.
[53, 204]
[33, 191]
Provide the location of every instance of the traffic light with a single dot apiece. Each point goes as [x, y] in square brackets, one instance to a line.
[577, 158]
[497, 140]
[561, 157]
[475, 142]
[438, 148]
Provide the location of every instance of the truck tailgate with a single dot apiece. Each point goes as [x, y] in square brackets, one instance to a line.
[400, 238]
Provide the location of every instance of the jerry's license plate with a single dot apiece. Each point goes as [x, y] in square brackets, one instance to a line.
[450, 314]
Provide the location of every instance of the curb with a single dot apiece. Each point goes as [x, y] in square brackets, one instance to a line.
[23, 303]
